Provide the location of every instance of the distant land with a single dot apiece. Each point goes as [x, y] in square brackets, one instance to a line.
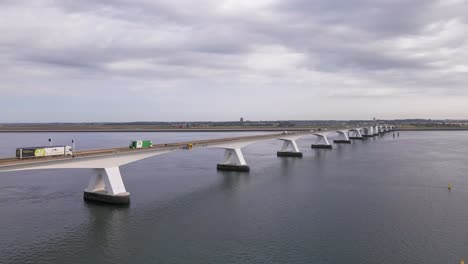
[207, 126]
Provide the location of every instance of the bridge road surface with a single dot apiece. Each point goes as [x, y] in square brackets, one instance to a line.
[6, 162]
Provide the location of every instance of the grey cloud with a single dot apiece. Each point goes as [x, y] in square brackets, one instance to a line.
[380, 17]
[227, 36]
[310, 47]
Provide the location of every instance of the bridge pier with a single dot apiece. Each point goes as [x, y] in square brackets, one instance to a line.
[376, 130]
[368, 132]
[289, 149]
[106, 186]
[233, 161]
[342, 138]
[321, 143]
[355, 133]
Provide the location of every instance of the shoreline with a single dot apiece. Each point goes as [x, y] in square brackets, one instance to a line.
[152, 130]
[186, 130]
[431, 129]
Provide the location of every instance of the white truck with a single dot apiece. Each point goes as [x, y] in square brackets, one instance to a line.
[34, 152]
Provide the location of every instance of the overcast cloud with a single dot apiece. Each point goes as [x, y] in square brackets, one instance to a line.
[128, 60]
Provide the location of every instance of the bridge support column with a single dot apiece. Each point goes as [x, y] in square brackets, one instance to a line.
[233, 161]
[355, 134]
[376, 130]
[321, 143]
[106, 186]
[342, 138]
[289, 149]
[368, 132]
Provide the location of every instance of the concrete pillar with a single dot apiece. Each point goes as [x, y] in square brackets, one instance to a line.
[321, 142]
[106, 186]
[355, 134]
[233, 161]
[376, 130]
[342, 138]
[369, 132]
[289, 149]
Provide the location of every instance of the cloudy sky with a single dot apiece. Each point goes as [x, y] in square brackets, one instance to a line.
[128, 60]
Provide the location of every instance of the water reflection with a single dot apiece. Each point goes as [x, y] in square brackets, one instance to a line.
[233, 180]
[321, 154]
[107, 229]
[288, 162]
[286, 210]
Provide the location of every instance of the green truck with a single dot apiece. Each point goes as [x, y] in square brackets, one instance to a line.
[136, 144]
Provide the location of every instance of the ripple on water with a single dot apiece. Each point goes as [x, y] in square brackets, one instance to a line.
[379, 201]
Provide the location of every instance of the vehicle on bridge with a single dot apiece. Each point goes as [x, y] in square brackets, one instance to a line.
[35, 152]
[188, 146]
[136, 144]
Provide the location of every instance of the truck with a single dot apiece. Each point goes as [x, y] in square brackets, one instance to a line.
[136, 144]
[188, 146]
[43, 151]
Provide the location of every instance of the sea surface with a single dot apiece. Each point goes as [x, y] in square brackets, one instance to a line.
[383, 200]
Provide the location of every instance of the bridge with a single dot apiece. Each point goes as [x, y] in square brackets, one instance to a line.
[106, 185]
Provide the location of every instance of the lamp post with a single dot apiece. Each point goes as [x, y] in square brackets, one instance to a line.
[73, 148]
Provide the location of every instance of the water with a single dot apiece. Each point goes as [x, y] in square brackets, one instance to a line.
[383, 200]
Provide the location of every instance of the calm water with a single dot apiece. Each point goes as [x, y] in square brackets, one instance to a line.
[384, 200]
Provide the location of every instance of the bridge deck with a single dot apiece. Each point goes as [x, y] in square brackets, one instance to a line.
[155, 148]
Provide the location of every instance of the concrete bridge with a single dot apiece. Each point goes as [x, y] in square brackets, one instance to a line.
[107, 186]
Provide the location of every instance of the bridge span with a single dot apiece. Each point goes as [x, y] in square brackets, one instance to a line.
[106, 185]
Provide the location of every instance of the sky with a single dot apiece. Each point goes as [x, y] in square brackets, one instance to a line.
[169, 60]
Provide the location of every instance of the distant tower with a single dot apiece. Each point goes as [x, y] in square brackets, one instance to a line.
[242, 119]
